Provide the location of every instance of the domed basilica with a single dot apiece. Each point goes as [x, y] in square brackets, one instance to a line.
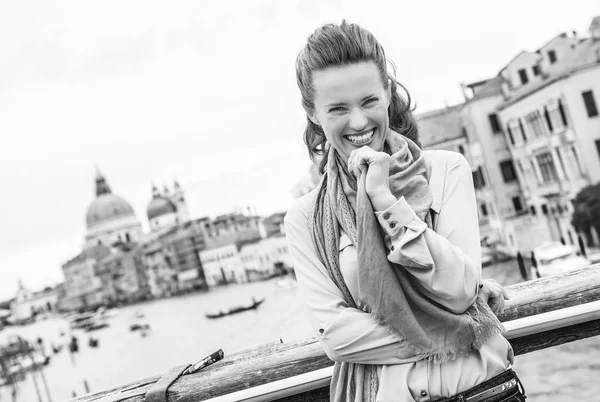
[167, 209]
[110, 219]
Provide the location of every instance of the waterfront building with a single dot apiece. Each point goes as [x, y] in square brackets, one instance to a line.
[272, 225]
[266, 257]
[468, 129]
[230, 228]
[550, 118]
[27, 304]
[223, 265]
[110, 219]
[82, 287]
[171, 257]
[167, 208]
[123, 275]
[162, 278]
[503, 213]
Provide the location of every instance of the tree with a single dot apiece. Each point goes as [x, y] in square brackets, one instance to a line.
[586, 214]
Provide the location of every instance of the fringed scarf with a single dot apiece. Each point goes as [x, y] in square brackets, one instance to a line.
[385, 289]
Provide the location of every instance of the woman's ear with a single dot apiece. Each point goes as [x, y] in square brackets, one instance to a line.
[313, 118]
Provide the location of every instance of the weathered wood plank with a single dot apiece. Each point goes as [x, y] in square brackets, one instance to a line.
[547, 339]
[256, 367]
[520, 346]
[552, 293]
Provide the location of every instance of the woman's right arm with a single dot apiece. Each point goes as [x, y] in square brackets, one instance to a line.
[346, 334]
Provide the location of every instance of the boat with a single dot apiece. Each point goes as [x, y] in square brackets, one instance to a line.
[236, 310]
[554, 258]
[80, 321]
[286, 283]
[139, 326]
[88, 322]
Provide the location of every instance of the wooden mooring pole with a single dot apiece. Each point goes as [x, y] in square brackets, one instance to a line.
[540, 314]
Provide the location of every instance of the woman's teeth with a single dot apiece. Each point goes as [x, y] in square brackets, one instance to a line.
[361, 138]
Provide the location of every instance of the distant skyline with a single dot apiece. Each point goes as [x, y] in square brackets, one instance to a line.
[206, 94]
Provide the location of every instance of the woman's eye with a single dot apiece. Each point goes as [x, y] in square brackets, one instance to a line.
[336, 109]
[371, 101]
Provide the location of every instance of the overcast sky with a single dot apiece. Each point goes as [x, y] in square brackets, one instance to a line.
[203, 92]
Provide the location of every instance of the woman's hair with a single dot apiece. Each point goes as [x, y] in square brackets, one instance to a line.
[341, 45]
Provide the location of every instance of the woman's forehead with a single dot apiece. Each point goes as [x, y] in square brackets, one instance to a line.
[347, 82]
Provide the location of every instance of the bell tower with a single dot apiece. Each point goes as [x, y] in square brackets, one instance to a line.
[178, 198]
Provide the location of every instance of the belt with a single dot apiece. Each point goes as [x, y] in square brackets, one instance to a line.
[498, 389]
[505, 383]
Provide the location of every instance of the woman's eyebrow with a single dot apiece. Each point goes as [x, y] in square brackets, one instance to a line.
[335, 104]
[344, 103]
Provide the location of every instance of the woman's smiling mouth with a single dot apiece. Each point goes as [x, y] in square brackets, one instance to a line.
[361, 139]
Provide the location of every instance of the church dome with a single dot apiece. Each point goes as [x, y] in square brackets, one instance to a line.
[160, 206]
[107, 207]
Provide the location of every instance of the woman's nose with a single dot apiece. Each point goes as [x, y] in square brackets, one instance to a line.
[358, 120]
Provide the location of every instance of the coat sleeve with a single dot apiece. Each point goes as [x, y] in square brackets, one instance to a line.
[345, 333]
[446, 262]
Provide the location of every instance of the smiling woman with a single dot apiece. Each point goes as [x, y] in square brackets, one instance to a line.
[386, 248]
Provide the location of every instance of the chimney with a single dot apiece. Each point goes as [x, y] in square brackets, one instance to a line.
[505, 89]
[463, 89]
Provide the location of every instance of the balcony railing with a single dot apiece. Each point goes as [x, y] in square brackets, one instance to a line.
[540, 314]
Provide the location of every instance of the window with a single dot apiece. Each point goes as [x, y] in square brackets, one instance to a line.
[535, 123]
[545, 209]
[576, 156]
[516, 132]
[484, 211]
[547, 167]
[461, 149]
[510, 135]
[532, 209]
[536, 70]
[562, 164]
[517, 204]
[555, 118]
[522, 130]
[508, 171]
[561, 109]
[552, 56]
[478, 180]
[494, 123]
[523, 76]
[590, 103]
[547, 117]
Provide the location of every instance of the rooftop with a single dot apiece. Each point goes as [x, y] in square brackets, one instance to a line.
[440, 125]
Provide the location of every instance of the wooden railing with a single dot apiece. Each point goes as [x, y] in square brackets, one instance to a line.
[540, 314]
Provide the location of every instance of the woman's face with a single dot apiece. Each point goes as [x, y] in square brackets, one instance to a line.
[351, 105]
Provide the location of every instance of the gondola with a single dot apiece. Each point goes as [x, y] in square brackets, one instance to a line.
[235, 310]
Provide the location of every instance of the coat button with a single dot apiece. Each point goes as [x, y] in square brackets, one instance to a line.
[386, 215]
[393, 225]
[423, 392]
[321, 331]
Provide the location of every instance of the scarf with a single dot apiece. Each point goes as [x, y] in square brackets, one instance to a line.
[386, 290]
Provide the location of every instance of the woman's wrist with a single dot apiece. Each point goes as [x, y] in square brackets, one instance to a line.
[382, 200]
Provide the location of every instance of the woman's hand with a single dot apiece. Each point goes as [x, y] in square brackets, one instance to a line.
[377, 180]
[494, 294]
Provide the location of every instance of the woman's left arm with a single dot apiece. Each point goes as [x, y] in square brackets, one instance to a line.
[446, 262]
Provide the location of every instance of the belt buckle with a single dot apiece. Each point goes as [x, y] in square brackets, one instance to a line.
[493, 391]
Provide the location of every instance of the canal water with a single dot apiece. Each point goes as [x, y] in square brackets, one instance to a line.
[180, 333]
